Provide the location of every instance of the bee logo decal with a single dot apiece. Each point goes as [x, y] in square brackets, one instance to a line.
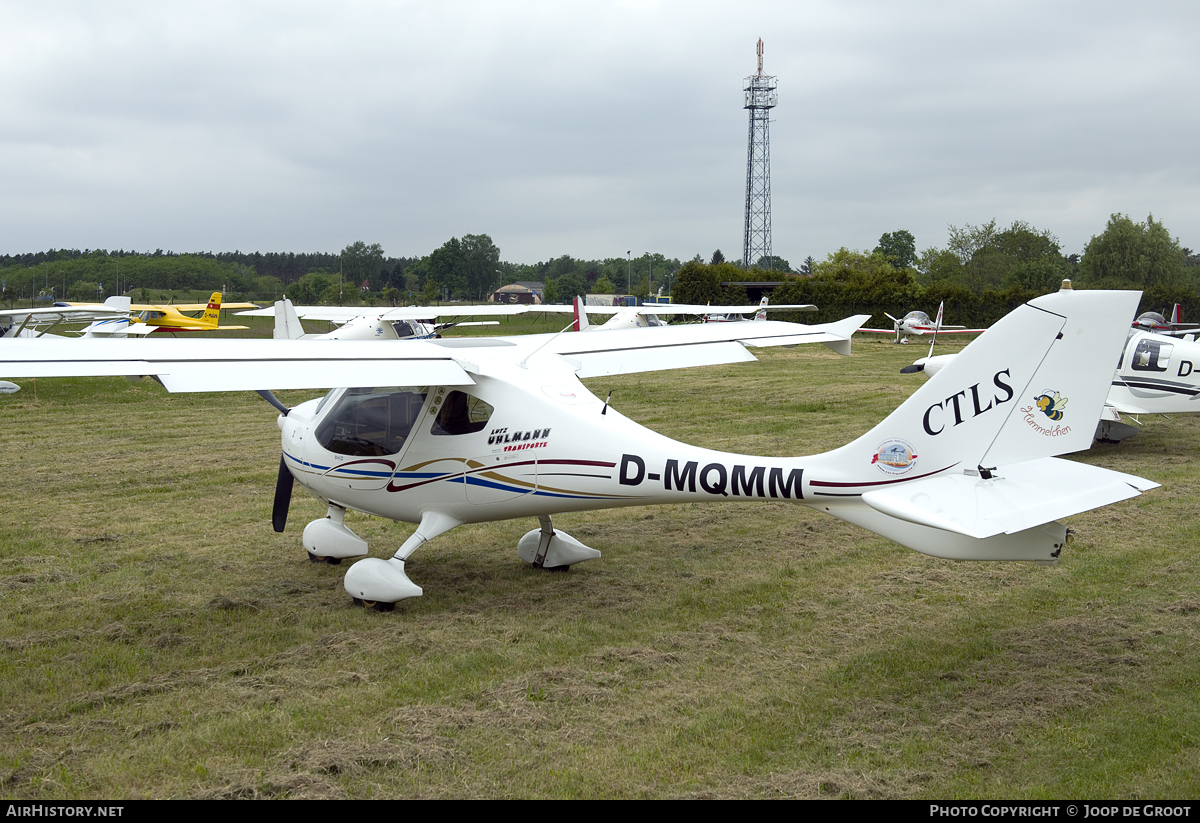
[1051, 405]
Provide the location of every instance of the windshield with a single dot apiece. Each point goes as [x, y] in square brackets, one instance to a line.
[371, 421]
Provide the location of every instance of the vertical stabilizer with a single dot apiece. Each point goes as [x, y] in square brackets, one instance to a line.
[212, 312]
[581, 318]
[1031, 386]
[287, 322]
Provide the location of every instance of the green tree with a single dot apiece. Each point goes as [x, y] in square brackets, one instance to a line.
[773, 263]
[1133, 255]
[446, 267]
[480, 263]
[965, 241]
[717, 257]
[362, 263]
[1019, 256]
[430, 293]
[697, 283]
[939, 266]
[571, 285]
[83, 291]
[899, 248]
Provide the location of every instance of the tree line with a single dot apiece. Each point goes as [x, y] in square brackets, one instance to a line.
[982, 273]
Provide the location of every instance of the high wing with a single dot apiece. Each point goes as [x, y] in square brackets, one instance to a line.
[629, 351]
[343, 314]
[15, 321]
[670, 309]
[921, 331]
[240, 365]
[181, 307]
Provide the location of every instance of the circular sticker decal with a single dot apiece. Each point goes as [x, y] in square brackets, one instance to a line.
[895, 457]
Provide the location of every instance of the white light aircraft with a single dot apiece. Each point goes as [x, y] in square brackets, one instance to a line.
[632, 317]
[419, 322]
[918, 323]
[355, 323]
[480, 429]
[106, 319]
[629, 317]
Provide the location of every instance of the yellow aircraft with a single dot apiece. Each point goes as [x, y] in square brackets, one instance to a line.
[172, 318]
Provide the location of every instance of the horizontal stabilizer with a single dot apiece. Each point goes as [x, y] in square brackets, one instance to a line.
[1016, 498]
[1126, 408]
[835, 336]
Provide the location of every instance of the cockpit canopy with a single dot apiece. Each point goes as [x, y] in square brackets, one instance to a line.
[1151, 320]
[369, 422]
[372, 422]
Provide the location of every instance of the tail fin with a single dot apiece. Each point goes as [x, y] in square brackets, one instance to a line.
[581, 318]
[762, 309]
[113, 326]
[1033, 385]
[1176, 315]
[287, 322]
[212, 313]
[966, 466]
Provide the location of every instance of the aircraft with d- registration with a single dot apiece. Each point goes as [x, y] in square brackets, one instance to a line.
[171, 317]
[469, 430]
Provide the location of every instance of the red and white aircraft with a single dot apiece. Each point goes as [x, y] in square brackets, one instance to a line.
[1154, 322]
[918, 322]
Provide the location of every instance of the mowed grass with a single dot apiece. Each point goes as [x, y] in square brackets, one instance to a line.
[160, 640]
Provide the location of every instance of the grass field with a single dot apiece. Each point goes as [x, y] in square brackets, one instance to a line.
[160, 640]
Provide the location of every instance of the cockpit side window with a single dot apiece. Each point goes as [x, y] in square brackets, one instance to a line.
[1151, 355]
[371, 421]
[461, 413]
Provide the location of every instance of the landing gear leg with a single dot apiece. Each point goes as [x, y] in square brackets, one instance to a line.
[380, 584]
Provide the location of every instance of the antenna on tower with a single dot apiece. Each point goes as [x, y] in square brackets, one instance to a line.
[760, 96]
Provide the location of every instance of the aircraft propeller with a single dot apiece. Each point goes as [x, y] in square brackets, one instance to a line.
[283, 496]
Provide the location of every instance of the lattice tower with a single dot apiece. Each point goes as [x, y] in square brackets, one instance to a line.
[760, 98]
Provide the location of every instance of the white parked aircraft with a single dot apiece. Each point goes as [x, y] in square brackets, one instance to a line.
[480, 429]
[110, 318]
[357, 323]
[631, 317]
[420, 322]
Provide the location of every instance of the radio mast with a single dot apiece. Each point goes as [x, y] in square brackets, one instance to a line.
[760, 98]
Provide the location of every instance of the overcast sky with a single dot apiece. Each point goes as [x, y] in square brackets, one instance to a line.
[587, 129]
